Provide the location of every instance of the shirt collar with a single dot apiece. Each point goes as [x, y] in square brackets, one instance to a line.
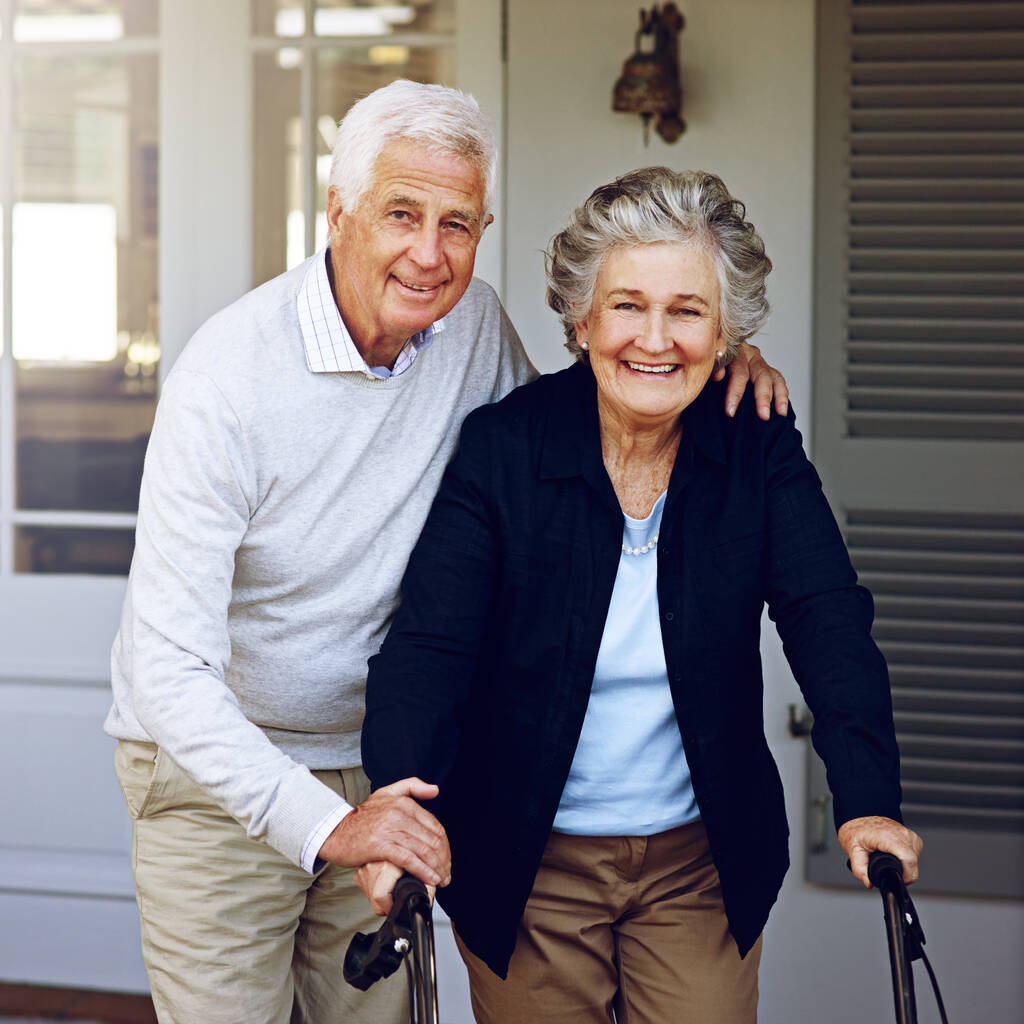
[328, 345]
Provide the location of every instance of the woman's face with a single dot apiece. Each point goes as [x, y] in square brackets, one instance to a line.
[652, 331]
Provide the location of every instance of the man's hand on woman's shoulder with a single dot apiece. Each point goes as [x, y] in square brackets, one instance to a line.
[749, 365]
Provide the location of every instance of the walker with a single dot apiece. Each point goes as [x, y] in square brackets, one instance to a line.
[906, 937]
[408, 928]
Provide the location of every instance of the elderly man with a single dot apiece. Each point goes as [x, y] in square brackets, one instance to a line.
[297, 446]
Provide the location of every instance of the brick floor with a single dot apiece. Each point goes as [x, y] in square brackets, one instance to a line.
[34, 1002]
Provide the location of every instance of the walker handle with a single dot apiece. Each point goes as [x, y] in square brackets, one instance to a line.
[885, 871]
[372, 957]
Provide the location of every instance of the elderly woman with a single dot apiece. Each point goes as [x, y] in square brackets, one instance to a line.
[575, 661]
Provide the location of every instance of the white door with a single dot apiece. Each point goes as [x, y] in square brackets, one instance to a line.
[156, 160]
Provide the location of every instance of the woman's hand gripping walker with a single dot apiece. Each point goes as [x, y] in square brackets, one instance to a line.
[408, 929]
[906, 937]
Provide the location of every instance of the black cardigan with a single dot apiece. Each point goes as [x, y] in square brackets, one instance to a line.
[483, 680]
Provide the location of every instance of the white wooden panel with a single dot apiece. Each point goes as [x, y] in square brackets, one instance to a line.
[77, 942]
[65, 826]
[67, 906]
[58, 627]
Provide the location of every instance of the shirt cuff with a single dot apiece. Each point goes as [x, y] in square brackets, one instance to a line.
[309, 860]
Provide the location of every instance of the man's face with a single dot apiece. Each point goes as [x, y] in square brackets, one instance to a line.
[404, 256]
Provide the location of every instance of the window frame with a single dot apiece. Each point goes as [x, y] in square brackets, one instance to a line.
[484, 21]
[58, 892]
[79, 606]
[59, 627]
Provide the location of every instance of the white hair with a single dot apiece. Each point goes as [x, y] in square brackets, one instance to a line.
[442, 119]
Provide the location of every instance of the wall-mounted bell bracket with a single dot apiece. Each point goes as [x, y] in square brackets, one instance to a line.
[649, 84]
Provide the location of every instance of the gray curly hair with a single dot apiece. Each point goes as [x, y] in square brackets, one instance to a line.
[652, 205]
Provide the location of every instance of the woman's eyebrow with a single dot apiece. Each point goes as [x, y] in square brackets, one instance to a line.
[633, 293]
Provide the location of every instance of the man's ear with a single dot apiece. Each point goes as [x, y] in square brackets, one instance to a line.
[487, 223]
[334, 210]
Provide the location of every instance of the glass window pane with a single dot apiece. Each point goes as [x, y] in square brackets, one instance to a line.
[344, 75]
[84, 312]
[279, 234]
[278, 18]
[335, 18]
[341, 76]
[82, 327]
[61, 21]
[382, 18]
[73, 549]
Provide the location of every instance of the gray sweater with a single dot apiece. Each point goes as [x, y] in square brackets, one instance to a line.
[277, 512]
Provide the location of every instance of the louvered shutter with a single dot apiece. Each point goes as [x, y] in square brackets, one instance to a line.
[919, 402]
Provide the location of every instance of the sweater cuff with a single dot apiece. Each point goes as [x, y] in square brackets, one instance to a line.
[309, 861]
[301, 805]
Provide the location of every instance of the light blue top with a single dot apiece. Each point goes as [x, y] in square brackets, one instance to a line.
[629, 776]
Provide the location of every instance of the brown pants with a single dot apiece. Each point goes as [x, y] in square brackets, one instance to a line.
[633, 926]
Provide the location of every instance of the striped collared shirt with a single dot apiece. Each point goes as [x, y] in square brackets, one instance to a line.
[329, 346]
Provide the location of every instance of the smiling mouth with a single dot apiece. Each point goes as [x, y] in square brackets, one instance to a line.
[418, 287]
[659, 368]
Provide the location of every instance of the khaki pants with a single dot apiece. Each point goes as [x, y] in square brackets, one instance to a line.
[633, 926]
[232, 932]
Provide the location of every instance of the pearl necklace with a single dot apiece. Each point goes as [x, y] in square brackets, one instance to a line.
[649, 546]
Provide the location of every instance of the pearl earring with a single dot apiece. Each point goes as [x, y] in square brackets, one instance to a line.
[718, 355]
[584, 346]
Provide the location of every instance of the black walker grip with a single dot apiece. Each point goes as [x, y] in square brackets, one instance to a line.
[904, 933]
[372, 957]
[885, 871]
[410, 896]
